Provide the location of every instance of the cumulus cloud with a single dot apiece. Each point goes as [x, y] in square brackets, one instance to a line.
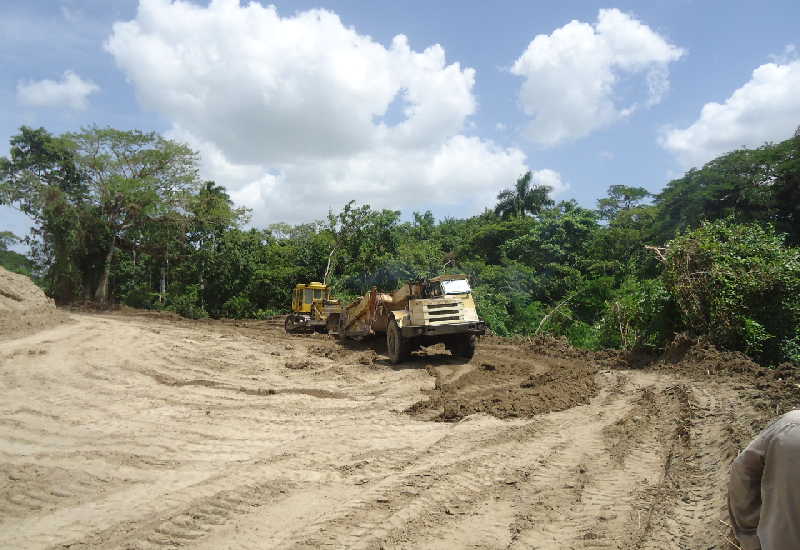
[301, 113]
[766, 108]
[571, 76]
[71, 91]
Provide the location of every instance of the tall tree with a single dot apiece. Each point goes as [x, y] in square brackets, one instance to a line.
[523, 198]
[41, 178]
[134, 180]
[620, 198]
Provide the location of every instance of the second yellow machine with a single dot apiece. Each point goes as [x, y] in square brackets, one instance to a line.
[311, 306]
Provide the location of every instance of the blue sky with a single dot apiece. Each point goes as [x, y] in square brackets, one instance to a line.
[297, 111]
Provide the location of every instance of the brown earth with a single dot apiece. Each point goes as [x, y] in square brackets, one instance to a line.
[145, 431]
[24, 308]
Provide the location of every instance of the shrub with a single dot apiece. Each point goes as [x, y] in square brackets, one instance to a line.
[584, 335]
[237, 307]
[187, 303]
[266, 313]
[639, 317]
[493, 309]
[739, 285]
[140, 297]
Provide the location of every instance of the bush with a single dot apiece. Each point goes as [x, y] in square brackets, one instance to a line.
[266, 313]
[583, 335]
[639, 317]
[187, 303]
[493, 309]
[238, 307]
[140, 297]
[739, 285]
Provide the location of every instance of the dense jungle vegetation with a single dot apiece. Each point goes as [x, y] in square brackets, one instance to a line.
[122, 217]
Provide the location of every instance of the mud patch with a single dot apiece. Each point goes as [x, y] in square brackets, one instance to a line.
[508, 388]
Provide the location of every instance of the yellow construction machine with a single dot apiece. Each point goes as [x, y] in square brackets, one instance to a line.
[311, 306]
[419, 313]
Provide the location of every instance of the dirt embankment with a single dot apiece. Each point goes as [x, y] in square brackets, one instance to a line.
[24, 308]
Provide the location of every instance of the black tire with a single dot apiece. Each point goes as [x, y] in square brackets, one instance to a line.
[396, 346]
[332, 324]
[289, 325]
[463, 345]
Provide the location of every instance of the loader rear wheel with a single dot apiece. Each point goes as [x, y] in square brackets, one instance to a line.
[397, 346]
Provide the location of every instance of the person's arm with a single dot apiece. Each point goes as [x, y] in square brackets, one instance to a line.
[744, 492]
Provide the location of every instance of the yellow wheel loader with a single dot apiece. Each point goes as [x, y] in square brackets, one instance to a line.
[311, 306]
[420, 313]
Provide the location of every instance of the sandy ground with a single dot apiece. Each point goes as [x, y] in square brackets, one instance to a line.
[24, 308]
[138, 432]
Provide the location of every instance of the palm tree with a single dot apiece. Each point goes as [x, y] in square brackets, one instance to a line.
[523, 198]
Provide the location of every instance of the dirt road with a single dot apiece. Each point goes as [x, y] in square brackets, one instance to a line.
[132, 432]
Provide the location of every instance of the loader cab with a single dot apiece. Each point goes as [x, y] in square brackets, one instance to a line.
[304, 296]
[446, 285]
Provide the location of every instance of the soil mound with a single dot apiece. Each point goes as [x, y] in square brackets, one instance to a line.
[771, 389]
[24, 307]
[506, 381]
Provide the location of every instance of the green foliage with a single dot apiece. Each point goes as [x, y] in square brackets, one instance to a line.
[524, 198]
[748, 185]
[493, 308]
[185, 303]
[123, 215]
[13, 261]
[620, 198]
[583, 335]
[140, 297]
[739, 284]
[237, 307]
[639, 316]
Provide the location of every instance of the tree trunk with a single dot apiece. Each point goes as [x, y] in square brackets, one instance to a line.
[162, 287]
[328, 268]
[101, 294]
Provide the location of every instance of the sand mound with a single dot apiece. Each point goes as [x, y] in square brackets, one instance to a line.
[24, 307]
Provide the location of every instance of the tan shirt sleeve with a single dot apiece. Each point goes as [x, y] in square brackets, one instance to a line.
[763, 495]
[744, 491]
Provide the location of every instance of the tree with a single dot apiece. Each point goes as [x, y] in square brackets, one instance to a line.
[751, 185]
[41, 178]
[136, 182]
[739, 285]
[7, 238]
[620, 198]
[523, 198]
[13, 261]
[364, 239]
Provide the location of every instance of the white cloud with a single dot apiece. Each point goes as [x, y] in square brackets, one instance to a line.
[71, 91]
[571, 75]
[551, 178]
[290, 113]
[766, 108]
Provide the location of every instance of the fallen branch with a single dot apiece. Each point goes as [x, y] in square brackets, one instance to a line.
[544, 319]
[659, 251]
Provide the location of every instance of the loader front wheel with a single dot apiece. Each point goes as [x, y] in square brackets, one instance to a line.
[289, 324]
[463, 345]
[397, 347]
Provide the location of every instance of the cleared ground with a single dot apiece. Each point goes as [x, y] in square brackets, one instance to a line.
[144, 432]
